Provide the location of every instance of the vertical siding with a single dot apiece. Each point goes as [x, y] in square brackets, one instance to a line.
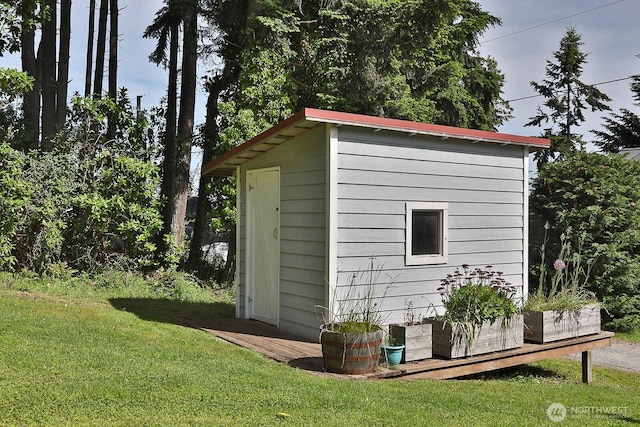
[302, 230]
[378, 172]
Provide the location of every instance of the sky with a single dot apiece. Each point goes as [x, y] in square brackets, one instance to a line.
[529, 34]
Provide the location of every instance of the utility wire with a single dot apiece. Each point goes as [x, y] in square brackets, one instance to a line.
[595, 84]
[550, 22]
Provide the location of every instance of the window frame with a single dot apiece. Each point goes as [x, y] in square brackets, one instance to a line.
[443, 223]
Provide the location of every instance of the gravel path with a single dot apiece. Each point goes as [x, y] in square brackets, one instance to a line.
[623, 355]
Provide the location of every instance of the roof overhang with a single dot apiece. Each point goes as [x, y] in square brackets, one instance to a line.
[308, 118]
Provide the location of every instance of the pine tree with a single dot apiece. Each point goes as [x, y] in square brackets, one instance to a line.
[566, 99]
[622, 129]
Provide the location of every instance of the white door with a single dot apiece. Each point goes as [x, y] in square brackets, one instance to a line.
[263, 244]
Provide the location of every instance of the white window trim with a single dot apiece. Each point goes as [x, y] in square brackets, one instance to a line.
[441, 258]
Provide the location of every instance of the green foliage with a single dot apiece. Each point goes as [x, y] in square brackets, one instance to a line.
[14, 82]
[10, 27]
[89, 204]
[409, 60]
[597, 196]
[53, 183]
[14, 198]
[16, 17]
[413, 60]
[86, 128]
[473, 296]
[566, 98]
[117, 214]
[622, 129]
[476, 296]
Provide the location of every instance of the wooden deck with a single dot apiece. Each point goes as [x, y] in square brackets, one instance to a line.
[305, 354]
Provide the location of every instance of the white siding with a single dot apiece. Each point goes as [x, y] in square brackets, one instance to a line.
[302, 230]
[483, 184]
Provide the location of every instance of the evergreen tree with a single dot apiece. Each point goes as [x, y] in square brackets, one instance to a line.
[622, 129]
[566, 99]
[415, 60]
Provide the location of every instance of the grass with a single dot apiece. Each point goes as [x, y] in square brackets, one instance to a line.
[629, 336]
[80, 353]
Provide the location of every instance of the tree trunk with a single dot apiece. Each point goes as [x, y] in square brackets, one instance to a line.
[63, 65]
[230, 265]
[185, 121]
[100, 48]
[203, 208]
[170, 152]
[31, 100]
[113, 64]
[48, 52]
[200, 227]
[89, 69]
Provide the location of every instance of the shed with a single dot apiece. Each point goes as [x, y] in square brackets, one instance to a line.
[323, 193]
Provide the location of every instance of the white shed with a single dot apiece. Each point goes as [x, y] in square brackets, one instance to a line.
[322, 192]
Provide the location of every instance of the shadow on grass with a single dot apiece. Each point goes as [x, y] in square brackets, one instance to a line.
[518, 373]
[195, 315]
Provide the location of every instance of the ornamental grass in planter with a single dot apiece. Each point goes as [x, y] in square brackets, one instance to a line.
[480, 314]
[351, 336]
[562, 307]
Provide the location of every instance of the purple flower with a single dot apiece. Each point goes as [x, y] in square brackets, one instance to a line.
[559, 264]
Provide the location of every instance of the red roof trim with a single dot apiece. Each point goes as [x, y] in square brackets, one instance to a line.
[300, 115]
[408, 126]
[360, 120]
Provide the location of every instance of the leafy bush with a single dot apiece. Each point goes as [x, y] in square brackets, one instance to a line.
[14, 197]
[474, 296]
[52, 180]
[597, 196]
[116, 215]
[89, 204]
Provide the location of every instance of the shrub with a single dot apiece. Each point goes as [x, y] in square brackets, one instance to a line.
[89, 204]
[598, 197]
[113, 222]
[52, 180]
[14, 197]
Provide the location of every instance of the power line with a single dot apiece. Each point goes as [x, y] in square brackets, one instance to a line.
[551, 22]
[595, 84]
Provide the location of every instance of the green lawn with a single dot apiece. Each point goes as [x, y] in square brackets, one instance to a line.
[629, 336]
[88, 355]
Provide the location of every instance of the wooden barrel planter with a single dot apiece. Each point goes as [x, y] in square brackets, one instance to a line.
[351, 353]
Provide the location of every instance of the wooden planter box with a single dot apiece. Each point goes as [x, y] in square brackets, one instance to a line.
[548, 326]
[417, 340]
[449, 339]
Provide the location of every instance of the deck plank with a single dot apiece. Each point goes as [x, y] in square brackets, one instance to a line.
[306, 354]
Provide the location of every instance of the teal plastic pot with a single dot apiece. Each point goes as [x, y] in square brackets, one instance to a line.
[392, 354]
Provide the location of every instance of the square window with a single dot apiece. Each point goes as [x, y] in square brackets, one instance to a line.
[426, 233]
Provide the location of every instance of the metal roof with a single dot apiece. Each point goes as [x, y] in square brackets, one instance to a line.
[308, 118]
[631, 153]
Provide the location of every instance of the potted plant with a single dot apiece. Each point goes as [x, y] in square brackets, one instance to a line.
[391, 352]
[480, 314]
[413, 334]
[351, 336]
[562, 307]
